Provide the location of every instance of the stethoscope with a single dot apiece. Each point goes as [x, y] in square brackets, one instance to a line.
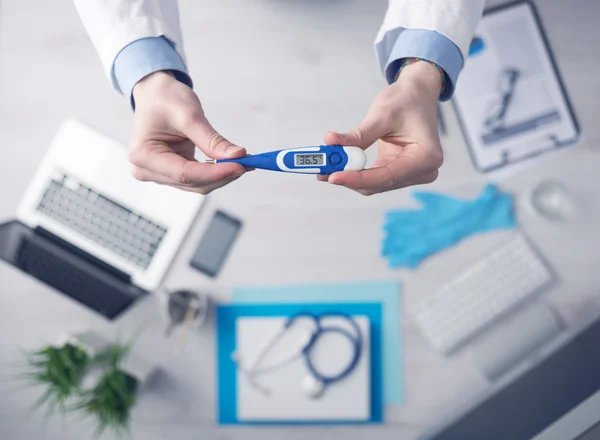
[315, 383]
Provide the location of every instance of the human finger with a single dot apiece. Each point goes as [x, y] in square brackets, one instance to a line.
[174, 167]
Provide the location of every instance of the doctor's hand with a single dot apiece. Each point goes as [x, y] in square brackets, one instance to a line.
[168, 125]
[403, 122]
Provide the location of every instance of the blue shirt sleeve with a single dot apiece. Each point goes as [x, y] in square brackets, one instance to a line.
[143, 57]
[428, 45]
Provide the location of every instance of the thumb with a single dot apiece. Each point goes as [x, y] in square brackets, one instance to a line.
[210, 142]
[363, 136]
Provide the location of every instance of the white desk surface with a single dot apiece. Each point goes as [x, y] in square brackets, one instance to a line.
[272, 74]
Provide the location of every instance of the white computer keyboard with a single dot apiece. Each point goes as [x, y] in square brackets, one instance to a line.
[481, 294]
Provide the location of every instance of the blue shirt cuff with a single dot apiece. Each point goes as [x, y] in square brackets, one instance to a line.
[143, 57]
[428, 45]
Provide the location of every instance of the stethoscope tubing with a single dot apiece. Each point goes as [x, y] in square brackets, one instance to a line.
[355, 340]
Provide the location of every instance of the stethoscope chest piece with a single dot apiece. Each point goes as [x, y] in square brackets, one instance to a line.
[313, 387]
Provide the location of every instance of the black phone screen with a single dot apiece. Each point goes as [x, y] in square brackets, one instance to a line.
[215, 244]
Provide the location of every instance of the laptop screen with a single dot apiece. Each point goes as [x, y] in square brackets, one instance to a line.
[538, 398]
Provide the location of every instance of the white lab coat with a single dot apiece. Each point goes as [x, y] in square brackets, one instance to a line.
[113, 24]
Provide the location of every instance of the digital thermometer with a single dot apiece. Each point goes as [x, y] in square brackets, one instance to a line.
[325, 159]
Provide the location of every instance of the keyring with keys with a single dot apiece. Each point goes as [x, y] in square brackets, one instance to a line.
[316, 383]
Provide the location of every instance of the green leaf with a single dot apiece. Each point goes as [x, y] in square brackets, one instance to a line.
[59, 370]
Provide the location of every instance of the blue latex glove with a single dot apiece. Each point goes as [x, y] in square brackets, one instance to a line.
[413, 235]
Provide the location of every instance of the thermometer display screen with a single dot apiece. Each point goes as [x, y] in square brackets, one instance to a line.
[308, 160]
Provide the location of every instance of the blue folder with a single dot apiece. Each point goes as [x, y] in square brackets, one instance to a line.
[226, 316]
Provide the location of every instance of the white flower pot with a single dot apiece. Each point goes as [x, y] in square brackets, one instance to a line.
[137, 367]
[90, 342]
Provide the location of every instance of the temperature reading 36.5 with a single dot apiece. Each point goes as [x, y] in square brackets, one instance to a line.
[305, 160]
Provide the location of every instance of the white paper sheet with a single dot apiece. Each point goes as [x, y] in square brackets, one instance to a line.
[349, 399]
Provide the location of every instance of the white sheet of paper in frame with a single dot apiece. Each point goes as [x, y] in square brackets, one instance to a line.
[346, 400]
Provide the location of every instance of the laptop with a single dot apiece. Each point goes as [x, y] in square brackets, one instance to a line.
[86, 227]
[557, 397]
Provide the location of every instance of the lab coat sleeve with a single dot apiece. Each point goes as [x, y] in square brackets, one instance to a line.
[430, 46]
[455, 20]
[143, 57]
[113, 24]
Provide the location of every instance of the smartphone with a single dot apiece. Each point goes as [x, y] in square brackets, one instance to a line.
[215, 244]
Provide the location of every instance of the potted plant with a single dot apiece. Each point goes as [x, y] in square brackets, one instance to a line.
[61, 367]
[111, 399]
[60, 370]
[84, 372]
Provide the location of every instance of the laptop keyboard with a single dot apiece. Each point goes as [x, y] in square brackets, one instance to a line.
[75, 277]
[101, 220]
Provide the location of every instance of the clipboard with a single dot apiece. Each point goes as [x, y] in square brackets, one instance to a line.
[511, 101]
